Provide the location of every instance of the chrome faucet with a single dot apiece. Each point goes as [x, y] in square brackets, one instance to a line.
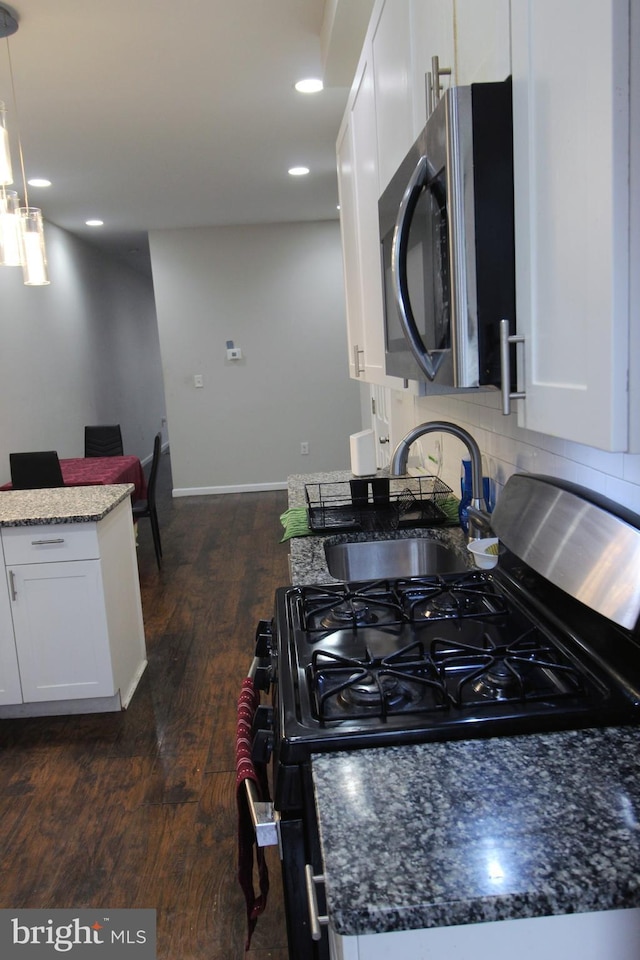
[479, 521]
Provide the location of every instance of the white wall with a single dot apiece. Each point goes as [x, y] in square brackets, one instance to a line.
[507, 449]
[277, 292]
[82, 350]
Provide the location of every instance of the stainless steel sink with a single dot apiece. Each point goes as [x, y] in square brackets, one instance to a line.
[408, 557]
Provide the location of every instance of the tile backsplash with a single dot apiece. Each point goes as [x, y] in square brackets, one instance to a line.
[507, 449]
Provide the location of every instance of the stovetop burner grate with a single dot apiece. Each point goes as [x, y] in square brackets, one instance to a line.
[349, 688]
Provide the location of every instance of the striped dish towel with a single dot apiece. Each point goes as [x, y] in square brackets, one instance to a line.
[295, 521]
[248, 702]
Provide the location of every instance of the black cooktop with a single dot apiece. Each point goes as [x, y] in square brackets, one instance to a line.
[435, 658]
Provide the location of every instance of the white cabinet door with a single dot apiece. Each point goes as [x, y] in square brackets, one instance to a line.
[359, 192]
[571, 169]
[350, 251]
[586, 936]
[482, 40]
[61, 630]
[391, 47]
[432, 35]
[10, 689]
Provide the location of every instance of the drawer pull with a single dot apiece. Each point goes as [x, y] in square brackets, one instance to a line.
[315, 920]
[12, 585]
[38, 543]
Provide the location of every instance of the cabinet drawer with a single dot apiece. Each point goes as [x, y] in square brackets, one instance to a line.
[50, 542]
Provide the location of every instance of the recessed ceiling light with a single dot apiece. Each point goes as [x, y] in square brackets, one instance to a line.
[39, 182]
[298, 171]
[94, 223]
[310, 85]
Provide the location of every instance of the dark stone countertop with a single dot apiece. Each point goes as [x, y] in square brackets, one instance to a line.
[470, 831]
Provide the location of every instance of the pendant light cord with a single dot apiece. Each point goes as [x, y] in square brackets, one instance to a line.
[17, 120]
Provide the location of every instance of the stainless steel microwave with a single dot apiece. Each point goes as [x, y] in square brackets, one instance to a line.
[447, 236]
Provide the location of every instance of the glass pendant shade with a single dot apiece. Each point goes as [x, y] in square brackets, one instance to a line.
[10, 255]
[6, 173]
[34, 261]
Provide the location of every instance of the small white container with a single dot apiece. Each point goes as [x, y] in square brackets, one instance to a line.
[363, 453]
[479, 549]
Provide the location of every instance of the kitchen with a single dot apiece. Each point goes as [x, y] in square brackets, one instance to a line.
[507, 446]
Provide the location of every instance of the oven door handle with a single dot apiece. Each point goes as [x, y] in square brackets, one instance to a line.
[315, 920]
[264, 818]
[419, 180]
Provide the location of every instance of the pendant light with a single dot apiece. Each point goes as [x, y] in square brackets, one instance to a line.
[10, 252]
[21, 227]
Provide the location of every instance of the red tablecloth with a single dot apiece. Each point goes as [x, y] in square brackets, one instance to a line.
[86, 471]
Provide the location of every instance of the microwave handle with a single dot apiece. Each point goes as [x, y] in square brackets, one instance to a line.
[427, 362]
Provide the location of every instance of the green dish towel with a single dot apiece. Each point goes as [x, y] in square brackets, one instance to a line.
[450, 509]
[295, 521]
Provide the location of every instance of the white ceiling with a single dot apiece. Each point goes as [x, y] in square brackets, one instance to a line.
[153, 114]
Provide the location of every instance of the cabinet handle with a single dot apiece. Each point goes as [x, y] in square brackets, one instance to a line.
[436, 73]
[505, 368]
[37, 543]
[429, 93]
[357, 353]
[315, 920]
[12, 585]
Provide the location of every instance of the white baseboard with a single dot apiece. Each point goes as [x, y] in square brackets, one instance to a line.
[233, 488]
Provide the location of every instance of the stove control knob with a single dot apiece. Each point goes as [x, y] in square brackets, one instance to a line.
[262, 676]
[262, 735]
[262, 719]
[262, 746]
[264, 635]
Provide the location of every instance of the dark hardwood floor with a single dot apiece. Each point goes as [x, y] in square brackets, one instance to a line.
[137, 809]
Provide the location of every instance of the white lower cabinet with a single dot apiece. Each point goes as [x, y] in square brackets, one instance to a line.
[72, 636]
[60, 630]
[10, 689]
[584, 936]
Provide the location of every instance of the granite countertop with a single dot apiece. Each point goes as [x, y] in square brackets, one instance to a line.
[27, 508]
[307, 558]
[469, 831]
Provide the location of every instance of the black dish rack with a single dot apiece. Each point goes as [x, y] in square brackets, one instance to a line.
[377, 504]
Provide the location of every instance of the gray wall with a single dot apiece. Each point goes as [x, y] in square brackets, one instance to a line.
[277, 291]
[82, 350]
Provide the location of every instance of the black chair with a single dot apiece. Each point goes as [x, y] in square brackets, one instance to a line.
[147, 508]
[35, 470]
[103, 441]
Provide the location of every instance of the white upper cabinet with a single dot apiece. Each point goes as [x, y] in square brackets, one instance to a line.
[391, 50]
[571, 94]
[432, 36]
[350, 251]
[482, 41]
[359, 189]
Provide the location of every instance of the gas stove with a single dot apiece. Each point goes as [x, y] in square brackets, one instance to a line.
[435, 658]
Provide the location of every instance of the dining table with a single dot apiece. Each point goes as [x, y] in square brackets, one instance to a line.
[98, 471]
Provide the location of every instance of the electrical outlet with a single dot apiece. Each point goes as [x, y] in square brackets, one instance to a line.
[304, 448]
[198, 380]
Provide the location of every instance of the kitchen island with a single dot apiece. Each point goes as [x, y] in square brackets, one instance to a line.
[71, 628]
[520, 846]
